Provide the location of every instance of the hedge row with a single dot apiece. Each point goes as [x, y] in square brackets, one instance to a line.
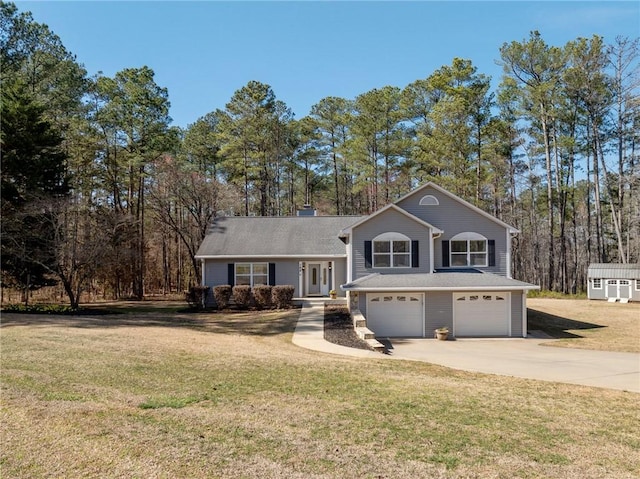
[263, 296]
[39, 309]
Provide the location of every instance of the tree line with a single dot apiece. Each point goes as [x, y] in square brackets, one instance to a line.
[100, 193]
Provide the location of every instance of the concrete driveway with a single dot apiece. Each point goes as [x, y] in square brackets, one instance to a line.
[526, 358]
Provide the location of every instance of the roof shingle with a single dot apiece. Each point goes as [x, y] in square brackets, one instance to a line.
[276, 236]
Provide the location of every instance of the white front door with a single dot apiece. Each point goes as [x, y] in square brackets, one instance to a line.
[318, 278]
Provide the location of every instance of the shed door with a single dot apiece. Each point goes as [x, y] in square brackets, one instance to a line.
[481, 314]
[618, 288]
[395, 314]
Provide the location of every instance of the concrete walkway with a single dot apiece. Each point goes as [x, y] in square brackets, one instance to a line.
[309, 333]
[523, 358]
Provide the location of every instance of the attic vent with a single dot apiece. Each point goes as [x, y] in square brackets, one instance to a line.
[429, 200]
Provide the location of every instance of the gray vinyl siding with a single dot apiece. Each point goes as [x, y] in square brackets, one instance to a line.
[389, 221]
[516, 314]
[341, 276]
[362, 303]
[594, 293]
[287, 273]
[438, 311]
[217, 272]
[453, 217]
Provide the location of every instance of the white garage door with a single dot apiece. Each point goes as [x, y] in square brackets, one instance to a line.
[481, 314]
[395, 314]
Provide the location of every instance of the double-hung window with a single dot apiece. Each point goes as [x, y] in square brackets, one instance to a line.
[252, 274]
[391, 250]
[469, 249]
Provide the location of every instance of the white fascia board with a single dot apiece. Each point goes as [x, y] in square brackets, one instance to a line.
[442, 288]
[399, 210]
[510, 228]
[272, 256]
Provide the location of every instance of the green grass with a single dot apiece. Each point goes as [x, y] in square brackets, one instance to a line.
[213, 395]
[540, 293]
[580, 323]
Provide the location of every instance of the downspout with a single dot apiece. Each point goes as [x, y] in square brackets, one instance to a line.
[524, 313]
[432, 253]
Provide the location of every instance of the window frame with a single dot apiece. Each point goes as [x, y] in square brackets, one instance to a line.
[429, 200]
[391, 255]
[252, 274]
[598, 285]
[467, 239]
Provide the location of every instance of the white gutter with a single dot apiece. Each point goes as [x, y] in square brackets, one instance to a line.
[442, 288]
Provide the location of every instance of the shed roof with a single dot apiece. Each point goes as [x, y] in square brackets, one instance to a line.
[614, 270]
[266, 236]
[450, 281]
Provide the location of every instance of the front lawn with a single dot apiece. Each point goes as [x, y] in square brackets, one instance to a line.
[212, 395]
[580, 323]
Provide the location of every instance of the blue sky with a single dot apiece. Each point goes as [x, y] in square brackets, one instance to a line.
[204, 51]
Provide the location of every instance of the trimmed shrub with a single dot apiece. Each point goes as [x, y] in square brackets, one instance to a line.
[196, 296]
[282, 296]
[262, 296]
[222, 295]
[242, 296]
[39, 309]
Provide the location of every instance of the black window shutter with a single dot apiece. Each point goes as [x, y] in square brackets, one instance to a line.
[492, 252]
[367, 254]
[272, 274]
[415, 254]
[231, 274]
[445, 254]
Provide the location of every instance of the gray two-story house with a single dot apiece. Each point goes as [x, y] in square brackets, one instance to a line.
[426, 261]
